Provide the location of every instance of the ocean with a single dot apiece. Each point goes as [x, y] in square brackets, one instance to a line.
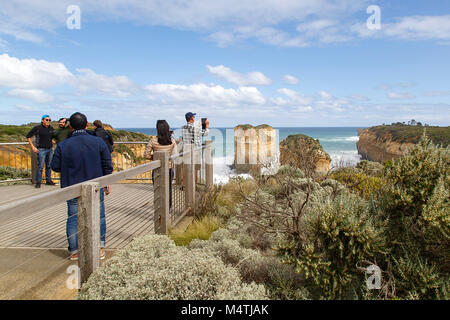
[338, 142]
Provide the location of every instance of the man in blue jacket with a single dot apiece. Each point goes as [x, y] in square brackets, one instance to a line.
[80, 158]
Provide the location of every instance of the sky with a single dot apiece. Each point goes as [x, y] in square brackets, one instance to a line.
[286, 63]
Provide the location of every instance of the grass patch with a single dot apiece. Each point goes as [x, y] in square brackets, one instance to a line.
[199, 229]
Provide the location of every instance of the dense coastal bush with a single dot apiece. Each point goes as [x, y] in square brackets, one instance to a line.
[289, 236]
[153, 267]
[416, 204]
[359, 182]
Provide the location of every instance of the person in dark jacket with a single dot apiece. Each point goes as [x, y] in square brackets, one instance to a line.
[43, 149]
[62, 133]
[80, 158]
[102, 133]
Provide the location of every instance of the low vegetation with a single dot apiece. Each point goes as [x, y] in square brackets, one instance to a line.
[7, 173]
[295, 236]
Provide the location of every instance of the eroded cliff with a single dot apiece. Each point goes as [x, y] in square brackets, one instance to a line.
[387, 142]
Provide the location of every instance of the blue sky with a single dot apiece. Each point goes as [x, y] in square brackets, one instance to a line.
[294, 63]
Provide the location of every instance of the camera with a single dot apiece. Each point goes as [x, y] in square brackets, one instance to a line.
[204, 123]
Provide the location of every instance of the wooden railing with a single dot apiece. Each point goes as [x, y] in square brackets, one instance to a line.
[87, 192]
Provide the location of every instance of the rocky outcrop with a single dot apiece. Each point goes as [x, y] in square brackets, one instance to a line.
[254, 147]
[305, 153]
[378, 148]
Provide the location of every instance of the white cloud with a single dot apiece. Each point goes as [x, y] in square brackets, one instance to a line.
[119, 86]
[294, 98]
[411, 28]
[325, 95]
[35, 95]
[224, 21]
[31, 73]
[290, 79]
[359, 97]
[23, 107]
[203, 94]
[250, 79]
[400, 96]
[228, 21]
[437, 93]
[29, 77]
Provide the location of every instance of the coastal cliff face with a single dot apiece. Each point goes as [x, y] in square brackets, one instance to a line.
[380, 148]
[304, 152]
[254, 147]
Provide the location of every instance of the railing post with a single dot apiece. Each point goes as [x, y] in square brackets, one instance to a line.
[33, 166]
[189, 162]
[88, 229]
[161, 193]
[209, 163]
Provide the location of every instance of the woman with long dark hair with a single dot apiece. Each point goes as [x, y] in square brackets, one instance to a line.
[162, 142]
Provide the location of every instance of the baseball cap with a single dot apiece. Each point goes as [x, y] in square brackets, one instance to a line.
[189, 115]
[45, 116]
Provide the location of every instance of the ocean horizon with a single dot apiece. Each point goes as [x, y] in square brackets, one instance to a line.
[338, 142]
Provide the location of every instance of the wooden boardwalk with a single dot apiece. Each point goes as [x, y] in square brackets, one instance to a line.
[129, 213]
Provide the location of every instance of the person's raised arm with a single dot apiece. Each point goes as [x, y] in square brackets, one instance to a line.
[206, 131]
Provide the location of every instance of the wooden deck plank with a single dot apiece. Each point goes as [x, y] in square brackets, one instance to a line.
[125, 218]
[146, 221]
[143, 214]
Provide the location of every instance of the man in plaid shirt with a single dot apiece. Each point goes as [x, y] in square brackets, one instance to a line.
[192, 134]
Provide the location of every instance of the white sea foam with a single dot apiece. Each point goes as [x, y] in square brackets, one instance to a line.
[223, 171]
[223, 165]
[340, 139]
[353, 139]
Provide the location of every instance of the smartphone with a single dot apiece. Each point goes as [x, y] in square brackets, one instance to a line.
[204, 123]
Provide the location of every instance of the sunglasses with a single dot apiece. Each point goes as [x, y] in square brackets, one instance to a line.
[47, 120]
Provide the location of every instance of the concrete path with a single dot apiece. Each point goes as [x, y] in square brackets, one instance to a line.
[37, 274]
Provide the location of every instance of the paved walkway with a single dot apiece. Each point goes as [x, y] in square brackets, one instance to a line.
[129, 213]
[33, 248]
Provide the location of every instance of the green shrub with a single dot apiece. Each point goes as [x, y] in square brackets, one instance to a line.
[199, 229]
[281, 280]
[371, 168]
[416, 203]
[339, 235]
[357, 181]
[154, 268]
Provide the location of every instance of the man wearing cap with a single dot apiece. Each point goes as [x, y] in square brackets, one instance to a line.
[43, 149]
[192, 134]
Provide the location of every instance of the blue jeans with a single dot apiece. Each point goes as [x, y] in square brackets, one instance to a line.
[72, 223]
[44, 156]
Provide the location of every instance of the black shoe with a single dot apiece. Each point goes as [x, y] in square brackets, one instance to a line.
[38, 185]
[50, 183]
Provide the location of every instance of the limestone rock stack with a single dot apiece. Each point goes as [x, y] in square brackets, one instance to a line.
[304, 152]
[255, 147]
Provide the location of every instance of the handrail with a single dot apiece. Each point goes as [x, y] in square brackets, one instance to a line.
[41, 201]
[13, 143]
